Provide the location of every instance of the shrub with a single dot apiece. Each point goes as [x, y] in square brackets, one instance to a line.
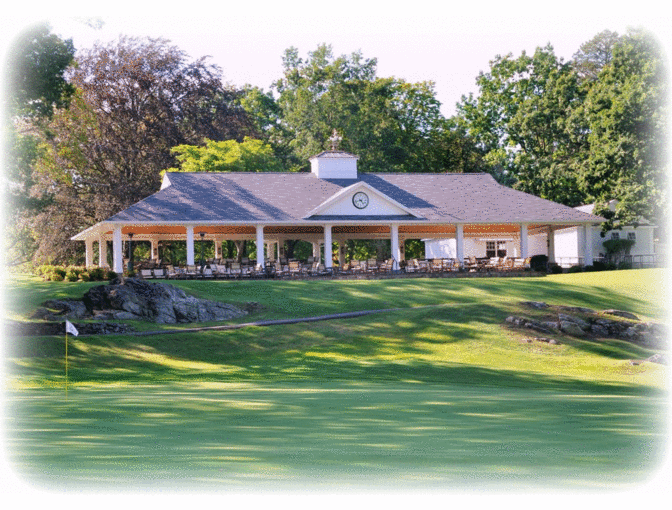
[97, 274]
[85, 276]
[539, 263]
[575, 269]
[599, 266]
[624, 265]
[555, 268]
[111, 275]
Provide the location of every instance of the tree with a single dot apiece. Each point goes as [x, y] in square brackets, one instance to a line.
[524, 121]
[135, 100]
[227, 156]
[389, 123]
[627, 112]
[34, 75]
[594, 55]
[34, 71]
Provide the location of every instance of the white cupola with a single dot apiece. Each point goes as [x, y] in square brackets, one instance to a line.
[334, 164]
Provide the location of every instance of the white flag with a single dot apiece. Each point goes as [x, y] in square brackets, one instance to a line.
[70, 328]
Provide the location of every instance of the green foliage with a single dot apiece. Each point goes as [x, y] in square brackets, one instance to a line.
[577, 269]
[616, 246]
[392, 125]
[227, 156]
[34, 72]
[135, 100]
[51, 272]
[523, 118]
[627, 119]
[539, 263]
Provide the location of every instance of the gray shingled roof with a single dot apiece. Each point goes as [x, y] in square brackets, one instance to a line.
[289, 197]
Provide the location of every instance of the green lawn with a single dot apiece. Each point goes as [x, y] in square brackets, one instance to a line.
[438, 394]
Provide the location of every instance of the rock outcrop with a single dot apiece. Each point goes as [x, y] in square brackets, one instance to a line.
[585, 322]
[132, 298]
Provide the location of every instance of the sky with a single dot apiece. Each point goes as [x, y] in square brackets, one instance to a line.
[414, 41]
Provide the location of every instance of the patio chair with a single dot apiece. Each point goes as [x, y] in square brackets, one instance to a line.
[295, 268]
[518, 264]
[492, 263]
[423, 266]
[371, 266]
[436, 265]
[159, 273]
[207, 272]
[471, 264]
[452, 265]
[411, 266]
[191, 271]
[146, 274]
[235, 271]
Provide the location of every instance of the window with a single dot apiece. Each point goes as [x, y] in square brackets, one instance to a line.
[615, 236]
[632, 236]
[495, 249]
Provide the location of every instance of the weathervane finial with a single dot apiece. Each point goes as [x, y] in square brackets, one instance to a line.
[334, 140]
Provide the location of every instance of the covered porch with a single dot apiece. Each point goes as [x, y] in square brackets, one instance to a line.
[272, 238]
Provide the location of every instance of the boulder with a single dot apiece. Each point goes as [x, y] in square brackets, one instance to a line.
[585, 326]
[132, 298]
[621, 313]
[538, 305]
[571, 328]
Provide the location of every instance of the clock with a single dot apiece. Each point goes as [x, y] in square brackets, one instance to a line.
[360, 200]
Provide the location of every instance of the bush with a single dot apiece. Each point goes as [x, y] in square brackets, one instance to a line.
[575, 269]
[555, 268]
[624, 265]
[539, 263]
[599, 266]
[97, 274]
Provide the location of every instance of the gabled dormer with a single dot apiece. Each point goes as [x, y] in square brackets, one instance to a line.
[360, 199]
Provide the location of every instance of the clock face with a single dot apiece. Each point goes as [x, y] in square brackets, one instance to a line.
[360, 200]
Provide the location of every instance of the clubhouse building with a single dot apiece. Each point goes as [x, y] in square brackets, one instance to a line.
[334, 203]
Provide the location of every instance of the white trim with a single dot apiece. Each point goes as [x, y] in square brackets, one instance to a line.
[354, 188]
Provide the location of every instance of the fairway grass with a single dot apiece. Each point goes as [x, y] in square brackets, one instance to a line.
[439, 394]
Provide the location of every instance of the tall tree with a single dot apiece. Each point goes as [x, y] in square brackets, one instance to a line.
[35, 86]
[523, 120]
[136, 99]
[389, 123]
[627, 111]
[594, 55]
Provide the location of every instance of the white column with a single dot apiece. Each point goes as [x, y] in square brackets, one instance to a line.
[155, 248]
[102, 252]
[260, 246]
[588, 245]
[218, 247]
[523, 240]
[459, 243]
[394, 245]
[117, 254]
[327, 247]
[88, 243]
[269, 250]
[190, 246]
[551, 244]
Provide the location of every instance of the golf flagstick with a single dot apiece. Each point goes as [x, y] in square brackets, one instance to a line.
[69, 328]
